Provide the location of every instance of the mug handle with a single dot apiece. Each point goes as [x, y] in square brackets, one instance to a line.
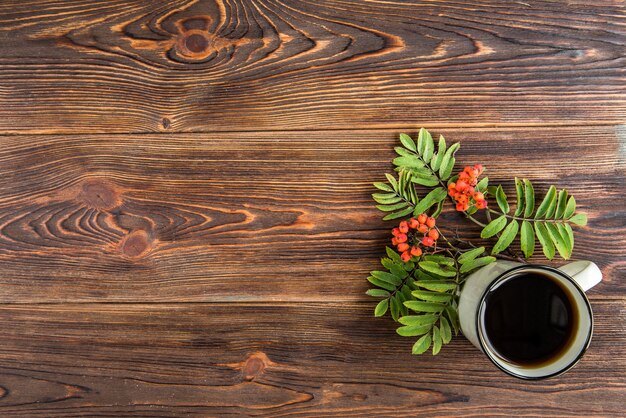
[585, 273]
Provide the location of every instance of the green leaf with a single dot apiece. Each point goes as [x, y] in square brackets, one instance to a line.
[400, 214]
[558, 240]
[570, 208]
[432, 267]
[394, 304]
[418, 306]
[377, 293]
[390, 208]
[446, 331]
[552, 208]
[408, 142]
[413, 330]
[435, 196]
[579, 219]
[544, 239]
[386, 198]
[436, 285]
[546, 203]
[398, 271]
[392, 180]
[470, 255]
[493, 227]
[408, 161]
[481, 186]
[432, 296]
[475, 263]
[403, 152]
[439, 208]
[421, 140]
[566, 231]
[436, 341]
[380, 283]
[381, 308]
[519, 190]
[416, 320]
[507, 237]
[394, 256]
[387, 277]
[501, 199]
[527, 239]
[435, 163]
[383, 186]
[422, 344]
[429, 147]
[529, 197]
[562, 203]
[453, 316]
[439, 259]
[447, 164]
[429, 181]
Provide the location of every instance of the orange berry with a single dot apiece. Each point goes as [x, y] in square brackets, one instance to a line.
[395, 232]
[423, 228]
[402, 238]
[479, 196]
[481, 204]
[430, 222]
[422, 218]
[434, 234]
[461, 199]
[413, 223]
[403, 246]
[406, 257]
[460, 207]
[404, 227]
[394, 241]
[416, 251]
[461, 185]
[451, 186]
[428, 241]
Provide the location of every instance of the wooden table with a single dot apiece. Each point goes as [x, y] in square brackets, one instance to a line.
[185, 215]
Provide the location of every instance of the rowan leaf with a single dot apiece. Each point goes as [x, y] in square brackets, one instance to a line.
[432, 296]
[377, 293]
[436, 285]
[429, 147]
[436, 341]
[544, 240]
[507, 237]
[529, 198]
[579, 219]
[470, 255]
[493, 227]
[408, 142]
[419, 306]
[435, 196]
[435, 268]
[527, 239]
[416, 320]
[501, 200]
[381, 308]
[519, 190]
[435, 163]
[446, 331]
[386, 277]
[570, 208]
[476, 263]
[558, 240]
[399, 214]
[422, 344]
[383, 186]
[548, 200]
[380, 283]
[447, 164]
[561, 205]
[413, 330]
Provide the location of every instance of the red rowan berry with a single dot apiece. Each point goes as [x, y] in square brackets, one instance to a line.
[402, 238]
[416, 251]
[404, 227]
[403, 246]
[406, 257]
[434, 234]
[394, 241]
[479, 196]
[423, 228]
[428, 241]
[461, 185]
[430, 222]
[460, 207]
[481, 204]
[395, 232]
[422, 218]
[413, 223]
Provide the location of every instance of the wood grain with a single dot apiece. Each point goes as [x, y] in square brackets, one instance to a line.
[256, 217]
[180, 65]
[275, 360]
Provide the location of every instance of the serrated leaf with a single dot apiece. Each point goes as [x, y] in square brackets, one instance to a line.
[447, 164]
[419, 306]
[558, 240]
[380, 283]
[493, 227]
[579, 219]
[446, 331]
[402, 310]
[527, 239]
[394, 256]
[386, 277]
[476, 263]
[435, 163]
[390, 208]
[436, 285]
[387, 263]
[416, 320]
[413, 330]
[386, 198]
[529, 198]
[481, 186]
[392, 180]
[453, 316]
[548, 200]
[439, 259]
[544, 240]
[377, 293]
[562, 203]
[425, 181]
[519, 190]
[470, 255]
[570, 208]
[381, 308]
[432, 267]
[422, 344]
[507, 237]
[552, 208]
[400, 214]
[432, 296]
[394, 304]
[501, 199]
[421, 140]
[383, 186]
[566, 230]
[429, 147]
[435, 196]
[403, 152]
[408, 142]
[398, 271]
[436, 341]
[439, 208]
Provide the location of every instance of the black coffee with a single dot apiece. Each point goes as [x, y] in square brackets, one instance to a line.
[529, 319]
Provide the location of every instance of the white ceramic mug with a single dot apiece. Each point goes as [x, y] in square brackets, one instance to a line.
[576, 277]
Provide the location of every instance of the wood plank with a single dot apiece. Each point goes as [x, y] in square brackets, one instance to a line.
[270, 216]
[182, 65]
[275, 360]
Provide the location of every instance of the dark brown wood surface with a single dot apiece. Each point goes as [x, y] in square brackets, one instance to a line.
[185, 215]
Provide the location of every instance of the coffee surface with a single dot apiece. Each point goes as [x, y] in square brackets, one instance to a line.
[529, 319]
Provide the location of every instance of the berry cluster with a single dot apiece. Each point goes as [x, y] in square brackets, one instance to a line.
[463, 190]
[410, 234]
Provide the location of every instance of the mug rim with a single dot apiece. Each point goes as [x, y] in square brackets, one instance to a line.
[502, 277]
